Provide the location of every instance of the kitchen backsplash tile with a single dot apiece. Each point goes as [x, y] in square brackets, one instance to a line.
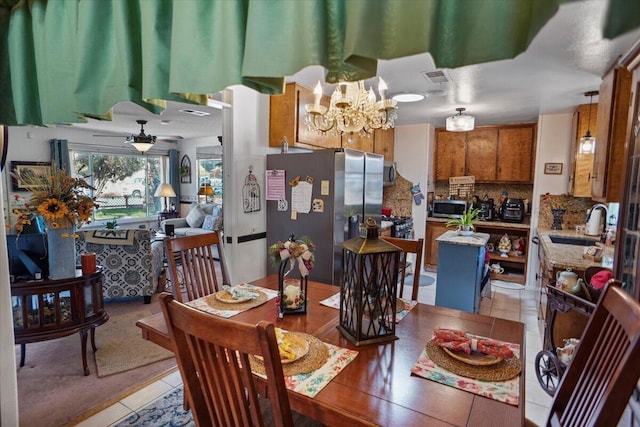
[398, 197]
[493, 191]
[576, 210]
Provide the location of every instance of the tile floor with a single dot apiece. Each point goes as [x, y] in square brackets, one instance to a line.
[507, 301]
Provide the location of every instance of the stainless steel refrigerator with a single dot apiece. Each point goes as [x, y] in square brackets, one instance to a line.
[352, 182]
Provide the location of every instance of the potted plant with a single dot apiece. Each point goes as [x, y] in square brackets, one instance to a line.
[464, 224]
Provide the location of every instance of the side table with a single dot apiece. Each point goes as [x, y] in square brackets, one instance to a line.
[49, 309]
[162, 215]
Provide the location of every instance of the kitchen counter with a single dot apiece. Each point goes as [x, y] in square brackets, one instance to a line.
[514, 225]
[561, 256]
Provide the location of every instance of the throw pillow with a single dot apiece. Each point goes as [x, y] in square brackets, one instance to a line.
[217, 218]
[195, 217]
[208, 222]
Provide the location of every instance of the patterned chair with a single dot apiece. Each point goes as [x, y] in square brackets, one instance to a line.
[131, 263]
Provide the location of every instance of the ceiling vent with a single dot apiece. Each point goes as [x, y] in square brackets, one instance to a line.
[195, 112]
[436, 76]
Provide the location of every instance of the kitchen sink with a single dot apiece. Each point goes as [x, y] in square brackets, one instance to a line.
[568, 240]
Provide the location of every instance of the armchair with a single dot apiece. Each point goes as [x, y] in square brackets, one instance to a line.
[131, 262]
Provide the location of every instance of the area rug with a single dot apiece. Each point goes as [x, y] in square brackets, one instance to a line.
[52, 388]
[424, 280]
[121, 346]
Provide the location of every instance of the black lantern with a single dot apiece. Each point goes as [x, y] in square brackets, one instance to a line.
[292, 279]
[368, 288]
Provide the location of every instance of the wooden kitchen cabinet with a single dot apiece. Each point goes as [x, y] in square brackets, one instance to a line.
[286, 118]
[583, 162]
[433, 230]
[503, 154]
[613, 111]
[516, 154]
[480, 154]
[450, 154]
[381, 142]
[384, 143]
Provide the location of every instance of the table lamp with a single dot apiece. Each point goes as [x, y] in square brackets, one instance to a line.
[206, 190]
[165, 190]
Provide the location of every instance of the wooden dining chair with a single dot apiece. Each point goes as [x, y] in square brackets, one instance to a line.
[193, 264]
[213, 354]
[409, 246]
[598, 383]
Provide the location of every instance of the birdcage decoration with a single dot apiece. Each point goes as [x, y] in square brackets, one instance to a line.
[368, 288]
[251, 193]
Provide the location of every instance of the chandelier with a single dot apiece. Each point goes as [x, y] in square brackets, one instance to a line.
[460, 122]
[352, 109]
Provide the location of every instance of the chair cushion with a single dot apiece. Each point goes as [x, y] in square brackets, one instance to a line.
[195, 218]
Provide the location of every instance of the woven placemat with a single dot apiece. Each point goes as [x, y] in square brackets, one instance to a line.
[214, 302]
[314, 359]
[501, 371]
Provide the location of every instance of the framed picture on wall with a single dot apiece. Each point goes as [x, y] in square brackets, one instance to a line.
[553, 168]
[27, 176]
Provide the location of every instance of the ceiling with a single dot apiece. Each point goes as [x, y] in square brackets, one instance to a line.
[567, 58]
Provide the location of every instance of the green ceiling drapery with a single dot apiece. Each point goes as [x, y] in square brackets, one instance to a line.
[60, 59]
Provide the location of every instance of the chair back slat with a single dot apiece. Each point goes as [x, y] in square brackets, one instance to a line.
[192, 264]
[408, 246]
[598, 383]
[213, 358]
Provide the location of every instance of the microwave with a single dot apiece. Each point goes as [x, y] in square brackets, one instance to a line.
[449, 208]
[389, 174]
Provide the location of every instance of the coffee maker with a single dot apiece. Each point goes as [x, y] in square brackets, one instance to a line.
[486, 210]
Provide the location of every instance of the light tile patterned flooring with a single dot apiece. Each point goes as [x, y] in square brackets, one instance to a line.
[507, 302]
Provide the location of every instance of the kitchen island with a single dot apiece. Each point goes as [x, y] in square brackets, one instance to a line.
[514, 265]
[461, 270]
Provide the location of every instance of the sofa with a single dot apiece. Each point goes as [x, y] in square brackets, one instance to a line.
[202, 218]
[131, 263]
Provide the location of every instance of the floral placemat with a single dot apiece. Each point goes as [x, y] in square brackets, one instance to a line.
[503, 391]
[404, 306]
[311, 383]
[204, 303]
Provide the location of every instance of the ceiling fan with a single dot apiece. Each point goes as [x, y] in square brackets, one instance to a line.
[142, 139]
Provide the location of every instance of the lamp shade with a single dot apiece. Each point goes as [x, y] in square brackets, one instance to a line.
[206, 190]
[460, 122]
[165, 190]
[142, 147]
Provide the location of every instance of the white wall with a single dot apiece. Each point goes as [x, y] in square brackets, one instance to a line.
[245, 141]
[554, 145]
[412, 153]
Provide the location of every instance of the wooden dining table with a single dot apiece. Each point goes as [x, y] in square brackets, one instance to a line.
[377, 387]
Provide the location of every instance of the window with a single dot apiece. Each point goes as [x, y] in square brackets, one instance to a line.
[210, 172]
[124, 184]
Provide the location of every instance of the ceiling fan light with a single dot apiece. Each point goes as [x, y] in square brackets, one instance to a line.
[460, 122]
[142, 147]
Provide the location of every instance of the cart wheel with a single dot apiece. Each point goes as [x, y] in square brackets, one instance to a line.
[548, 371]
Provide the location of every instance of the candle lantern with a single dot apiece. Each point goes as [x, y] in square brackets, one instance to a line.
[368, 288]
[296, 260]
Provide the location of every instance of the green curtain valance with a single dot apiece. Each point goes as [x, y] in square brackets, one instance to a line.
[62, 59]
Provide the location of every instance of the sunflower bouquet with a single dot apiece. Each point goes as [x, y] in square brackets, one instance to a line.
[59, 198]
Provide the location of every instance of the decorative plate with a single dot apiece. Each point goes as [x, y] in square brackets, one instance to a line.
[227, 298]
[475, 358]
[298, 344]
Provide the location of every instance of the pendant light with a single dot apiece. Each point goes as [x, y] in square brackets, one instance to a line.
[460, 122]
[588, 142]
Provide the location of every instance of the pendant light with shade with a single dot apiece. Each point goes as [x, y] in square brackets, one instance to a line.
[588, 142]
[460, 122]
[142, 142]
